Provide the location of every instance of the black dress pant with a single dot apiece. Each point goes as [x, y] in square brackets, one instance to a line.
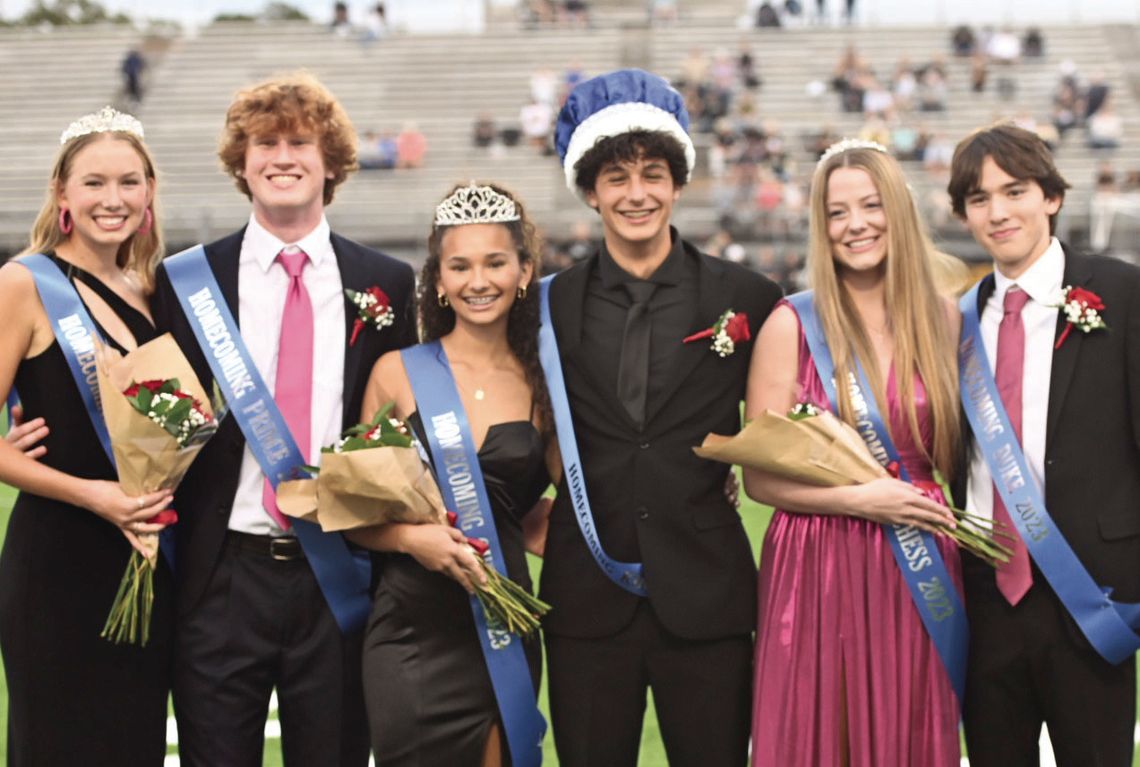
[702, 691]
[1029, 665]
[264, 624]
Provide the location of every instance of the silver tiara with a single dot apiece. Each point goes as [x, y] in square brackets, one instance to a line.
[476, 205]
[103, 121]
[839, 147]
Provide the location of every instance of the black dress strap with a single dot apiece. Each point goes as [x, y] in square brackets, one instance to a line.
[137, 323]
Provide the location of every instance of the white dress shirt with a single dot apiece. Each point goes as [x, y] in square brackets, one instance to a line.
[262, 284]
[1042, 282]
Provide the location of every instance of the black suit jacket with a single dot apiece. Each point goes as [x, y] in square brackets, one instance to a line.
[1092, 437]
[206, 495]
[652, 497]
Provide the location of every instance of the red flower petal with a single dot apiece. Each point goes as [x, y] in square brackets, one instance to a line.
[737, 328]
[452, 518]
[164, 517]
[481, 547]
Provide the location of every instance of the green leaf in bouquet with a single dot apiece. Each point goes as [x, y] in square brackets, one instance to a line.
[169, 386]
[353, 443]
[144, 399]
[179, 411]
[358, 430]
[315, 470]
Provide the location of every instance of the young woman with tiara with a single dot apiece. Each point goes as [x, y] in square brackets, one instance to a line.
[75, 698]
[847, 672]
[436, 692]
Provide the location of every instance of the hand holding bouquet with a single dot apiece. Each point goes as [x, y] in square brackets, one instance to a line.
[812, 446]
[158, 418]
[375, 474]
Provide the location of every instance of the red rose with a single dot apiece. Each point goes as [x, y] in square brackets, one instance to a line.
[1083, 296]
[481, 547]
[132, 390]
[154, 386]
[380, 296]
[737, 328]
[452, 518]
[164, 517]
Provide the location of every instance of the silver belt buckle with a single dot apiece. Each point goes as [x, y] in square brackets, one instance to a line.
[286, 552]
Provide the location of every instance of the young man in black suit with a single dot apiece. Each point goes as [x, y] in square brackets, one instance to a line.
[1073, 400]
[640, 399]
[254, 610]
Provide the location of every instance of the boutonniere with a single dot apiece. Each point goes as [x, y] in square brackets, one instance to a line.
[1082, 311]
[373, 309]
[729, 330]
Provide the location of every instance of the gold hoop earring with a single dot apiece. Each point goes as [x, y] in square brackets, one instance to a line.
[522, 292]
[441, 298]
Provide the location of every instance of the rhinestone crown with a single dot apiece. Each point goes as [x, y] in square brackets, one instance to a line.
[839, 147]
[473, 204]
[103, 121]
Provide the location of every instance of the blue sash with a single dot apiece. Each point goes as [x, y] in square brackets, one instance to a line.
[628, 575]
[1111, 627]
[461, 481]
[344, 574]
[76, 333]
[916, 552]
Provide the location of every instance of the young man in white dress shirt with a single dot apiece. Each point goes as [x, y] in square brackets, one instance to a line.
[1079, 417]
[253, 608]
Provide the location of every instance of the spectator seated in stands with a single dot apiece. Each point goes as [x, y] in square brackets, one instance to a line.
[904, 84]
[1033, 46]
[484, 132]
[767, 15]
[368, 154]
[340, 22]
[932, 90]
[962, 41]
[576, 13]
[746, 67]
[411, 146]
[1105, 128]
[979, 72]
[536, 119]
[1096, 95]
[1004, 47]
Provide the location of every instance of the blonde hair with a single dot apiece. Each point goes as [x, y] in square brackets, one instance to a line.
[140, 252]
[924, 341]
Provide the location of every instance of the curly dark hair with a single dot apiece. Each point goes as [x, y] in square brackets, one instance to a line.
[522, 324]
[631, 147]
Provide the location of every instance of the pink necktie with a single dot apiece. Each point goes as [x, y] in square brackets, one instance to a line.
[294, 387]
[1014, 577]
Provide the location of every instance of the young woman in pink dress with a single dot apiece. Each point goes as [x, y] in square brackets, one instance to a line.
[846, 673]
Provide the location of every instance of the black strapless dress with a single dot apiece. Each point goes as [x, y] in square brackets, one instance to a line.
[74, 698]
[429, 696]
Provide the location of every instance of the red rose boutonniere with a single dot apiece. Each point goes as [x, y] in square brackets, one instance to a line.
[729, 330]
[1082, 310]
[373, 310]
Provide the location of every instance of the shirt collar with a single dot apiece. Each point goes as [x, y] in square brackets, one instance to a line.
[262, 246]
[1042, 281]
[671, 271]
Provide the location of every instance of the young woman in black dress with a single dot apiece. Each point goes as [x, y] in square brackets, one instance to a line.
[75, 698]
[429, 695]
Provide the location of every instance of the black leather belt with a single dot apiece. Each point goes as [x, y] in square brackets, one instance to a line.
[283, 549]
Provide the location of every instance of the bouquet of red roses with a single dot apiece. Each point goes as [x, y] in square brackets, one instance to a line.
[158, 418]
[375, 474]
[812, 446]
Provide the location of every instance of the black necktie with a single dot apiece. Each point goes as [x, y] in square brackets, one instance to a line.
[633, 369]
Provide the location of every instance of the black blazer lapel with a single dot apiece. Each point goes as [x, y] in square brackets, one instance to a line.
[352, 277]
[567, 302]
[224, 257]
[1078, 272]
[714, 293]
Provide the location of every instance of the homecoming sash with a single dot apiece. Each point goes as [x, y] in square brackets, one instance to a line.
[343, 574]
[628, 575]
[915, 550]
[461, 481]
[75, 331]
[1111, 627]
[76, 334]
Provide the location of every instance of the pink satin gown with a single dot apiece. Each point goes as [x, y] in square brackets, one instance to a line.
[840, 643]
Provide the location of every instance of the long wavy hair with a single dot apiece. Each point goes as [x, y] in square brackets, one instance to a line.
[924, 342]
[140, 252]
[522, 323]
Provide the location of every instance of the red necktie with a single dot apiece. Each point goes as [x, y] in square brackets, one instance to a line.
[1014, 577]
[294, 384]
